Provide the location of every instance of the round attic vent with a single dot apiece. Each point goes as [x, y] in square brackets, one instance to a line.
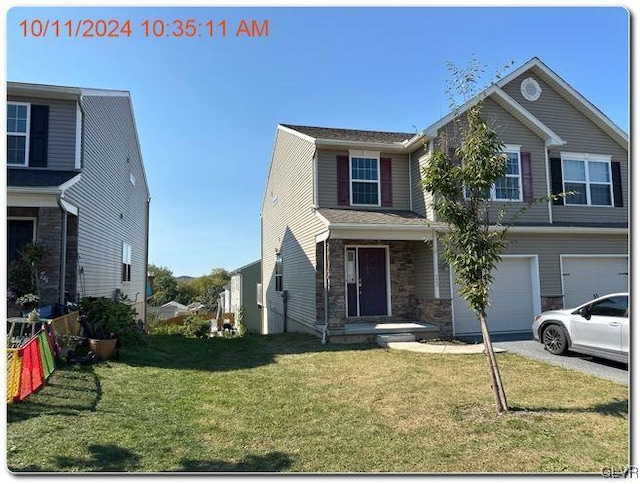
[530, 89]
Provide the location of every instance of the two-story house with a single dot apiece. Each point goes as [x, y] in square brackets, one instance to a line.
[77, 185]
[349, 237]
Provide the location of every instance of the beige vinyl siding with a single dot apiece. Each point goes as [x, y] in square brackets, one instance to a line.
[328, 179]
[290, 226]
[423, 268]
[550, 247]
[61, 142]
[112, 209]
[420, 199]
[582, 136]
[513, 132]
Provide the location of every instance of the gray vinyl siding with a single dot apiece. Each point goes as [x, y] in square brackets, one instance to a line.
[582, 136]
[250, 279]
[512, 132]
[290, 226]
[112, 210]
[420, 199]
[61, 143]
[423, 268]
[550, 247]
[328, 179]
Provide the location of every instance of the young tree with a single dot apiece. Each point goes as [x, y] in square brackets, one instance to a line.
[460, 174]
[165, 286]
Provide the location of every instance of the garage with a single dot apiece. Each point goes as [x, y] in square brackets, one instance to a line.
[584, 276]
[515, 299]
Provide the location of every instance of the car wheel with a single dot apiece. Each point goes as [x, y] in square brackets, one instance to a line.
[554, 339]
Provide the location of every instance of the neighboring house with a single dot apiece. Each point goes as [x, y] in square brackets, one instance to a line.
[76, 184]
[244, 295]
[171, 310]
[349, 235]
[224, 300]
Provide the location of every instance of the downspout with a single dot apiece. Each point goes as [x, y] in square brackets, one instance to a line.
[325, 280]
[63, 254]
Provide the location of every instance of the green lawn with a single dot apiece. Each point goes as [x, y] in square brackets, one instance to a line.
[287, 403]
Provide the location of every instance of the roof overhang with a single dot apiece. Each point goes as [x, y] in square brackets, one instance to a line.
[508, 104]
[42, 196]
[43, 91]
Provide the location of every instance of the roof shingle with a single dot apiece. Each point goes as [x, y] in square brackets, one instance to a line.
[378, 217]
[351, 134]
[20, 177]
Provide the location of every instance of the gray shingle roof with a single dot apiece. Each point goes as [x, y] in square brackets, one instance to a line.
[20, 177]
[381, 217]
[351, 134]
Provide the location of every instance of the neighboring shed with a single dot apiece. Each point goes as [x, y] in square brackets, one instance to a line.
[243, 292]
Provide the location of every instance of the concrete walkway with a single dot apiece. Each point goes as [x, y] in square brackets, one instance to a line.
[470, 349]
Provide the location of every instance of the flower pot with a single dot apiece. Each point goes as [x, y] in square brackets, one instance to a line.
[103, 348]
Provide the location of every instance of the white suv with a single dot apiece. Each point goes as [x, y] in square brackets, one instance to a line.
[597, 328]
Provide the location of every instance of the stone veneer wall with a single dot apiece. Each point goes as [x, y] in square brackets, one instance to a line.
[49, 234]
[549, 303]
[438, 312]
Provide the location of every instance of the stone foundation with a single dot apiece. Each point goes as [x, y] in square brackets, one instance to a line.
[550, 303]
[438, 312]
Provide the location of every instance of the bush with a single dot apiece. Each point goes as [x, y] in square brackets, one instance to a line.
[102, 318]
[193, 326]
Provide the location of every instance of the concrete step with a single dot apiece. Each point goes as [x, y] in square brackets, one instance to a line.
[383, 339]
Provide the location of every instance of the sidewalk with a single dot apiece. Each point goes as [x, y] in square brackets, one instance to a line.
[469, 349]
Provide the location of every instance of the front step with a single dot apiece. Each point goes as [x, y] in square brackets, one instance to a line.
[384, 339]
[369, 332]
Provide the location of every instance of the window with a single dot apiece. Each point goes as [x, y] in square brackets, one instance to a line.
[278, 272]
[508, 188]
[612, 306]
[20, 232]
[365, 178]
[126, 263]
[588, 177]
[17, 133]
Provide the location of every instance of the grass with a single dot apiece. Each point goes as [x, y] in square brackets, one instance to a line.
[287, 403]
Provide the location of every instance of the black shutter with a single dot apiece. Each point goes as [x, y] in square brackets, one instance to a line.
[38, 136]
[616, 177]
[556, 179]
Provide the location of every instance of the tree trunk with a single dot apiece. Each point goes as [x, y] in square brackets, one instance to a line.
[496, 381]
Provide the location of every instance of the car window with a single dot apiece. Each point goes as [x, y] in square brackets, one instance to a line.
[612, 306]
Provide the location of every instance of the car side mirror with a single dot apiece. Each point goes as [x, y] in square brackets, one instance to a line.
[585, 313]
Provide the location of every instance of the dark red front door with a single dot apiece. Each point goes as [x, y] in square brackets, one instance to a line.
[372, 279]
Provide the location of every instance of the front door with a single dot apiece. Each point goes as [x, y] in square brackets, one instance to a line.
[367, 281]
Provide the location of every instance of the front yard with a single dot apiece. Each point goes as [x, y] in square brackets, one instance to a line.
[287, 403]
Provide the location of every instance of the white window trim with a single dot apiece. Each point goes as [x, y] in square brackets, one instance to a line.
[492, 193]
[586, 158]
[511, 149]
[126, 260]
[364, 154]
[26, 134]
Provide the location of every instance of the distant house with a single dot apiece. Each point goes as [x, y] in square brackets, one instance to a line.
[350, 240]
[76, 184]
[171, 310]
[243, 289]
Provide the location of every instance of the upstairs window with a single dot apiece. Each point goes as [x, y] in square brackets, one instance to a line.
[589, 178]
[17, 134]
[365, 178]
[510, 188]
[126, 263]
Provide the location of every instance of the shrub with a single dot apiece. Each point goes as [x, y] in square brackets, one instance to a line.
[102, 318]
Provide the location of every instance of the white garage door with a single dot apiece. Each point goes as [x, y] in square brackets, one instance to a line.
[584, 276]
[515, 299]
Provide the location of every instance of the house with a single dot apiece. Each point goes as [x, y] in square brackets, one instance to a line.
[76, 184]
[243, 293]
[349, 237]
[170, 310]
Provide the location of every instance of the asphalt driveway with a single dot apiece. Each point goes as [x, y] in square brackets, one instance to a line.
[610, 370]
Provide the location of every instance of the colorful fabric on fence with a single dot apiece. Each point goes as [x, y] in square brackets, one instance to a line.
[45, 354]
[31, 375]
[52, 341]
[14, 362]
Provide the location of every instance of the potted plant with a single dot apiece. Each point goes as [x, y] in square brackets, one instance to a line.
[28, 302]
[104, 321]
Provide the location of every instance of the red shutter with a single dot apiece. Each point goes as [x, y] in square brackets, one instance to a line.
[385, 182]
[343, 180]
[527, 179]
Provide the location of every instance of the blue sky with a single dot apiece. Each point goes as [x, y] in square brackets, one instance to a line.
[207, 107]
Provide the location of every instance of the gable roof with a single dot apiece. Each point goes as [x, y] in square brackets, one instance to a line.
[357, 135]
[576, 99]
[523, 115]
